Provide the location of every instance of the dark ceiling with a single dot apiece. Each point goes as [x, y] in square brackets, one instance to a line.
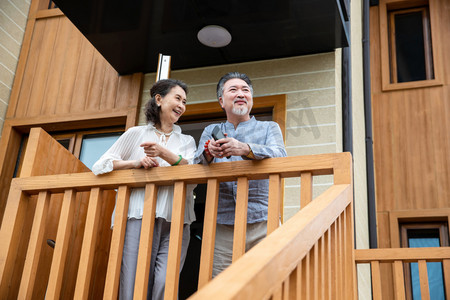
[130, 34]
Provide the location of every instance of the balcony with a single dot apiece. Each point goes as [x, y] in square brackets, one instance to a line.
[311, 256]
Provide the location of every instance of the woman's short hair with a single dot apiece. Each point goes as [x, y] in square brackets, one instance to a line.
[162, 88]
[229, 76]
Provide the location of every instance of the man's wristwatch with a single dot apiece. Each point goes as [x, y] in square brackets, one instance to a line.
[250, 154]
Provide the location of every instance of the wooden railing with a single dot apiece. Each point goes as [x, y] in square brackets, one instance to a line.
[309, 257]
[394, 261]
[313, 249]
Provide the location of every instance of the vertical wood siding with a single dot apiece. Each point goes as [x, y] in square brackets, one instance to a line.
[64, 74]
[411, 132]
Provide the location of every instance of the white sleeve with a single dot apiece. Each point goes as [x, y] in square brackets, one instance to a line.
[190, 149]
[120, 150]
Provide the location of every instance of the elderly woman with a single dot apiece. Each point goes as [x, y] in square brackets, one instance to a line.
[160, 143]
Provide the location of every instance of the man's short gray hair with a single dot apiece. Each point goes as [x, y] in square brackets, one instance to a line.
[229, 76]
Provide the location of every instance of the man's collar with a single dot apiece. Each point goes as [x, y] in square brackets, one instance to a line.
[243, 123]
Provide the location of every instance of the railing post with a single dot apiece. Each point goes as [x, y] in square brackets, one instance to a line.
[305, 189]
[117, 240]
[34, 247]
[62, 244]
[376, 280]
[240, 222]
[446, 268]
[175, 241]
[399, 282]
[145, 242]
[209, 232]
[10, 236]
[423, 276]
[88, 245]
[273, 218]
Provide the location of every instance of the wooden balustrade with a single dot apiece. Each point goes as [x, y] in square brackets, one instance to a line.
[397, 258]
[313, 249]
[309, 257]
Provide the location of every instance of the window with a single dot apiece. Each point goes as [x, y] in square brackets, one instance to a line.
[418, 235]
[86, 145]
[94, 145]
[410, 46]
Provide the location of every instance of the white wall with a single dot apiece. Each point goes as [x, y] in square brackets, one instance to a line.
[359, 150]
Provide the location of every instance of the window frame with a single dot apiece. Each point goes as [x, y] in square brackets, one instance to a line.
[414, 216]
[404, 226]
[429, 67]
[75, 138]
[387, 7]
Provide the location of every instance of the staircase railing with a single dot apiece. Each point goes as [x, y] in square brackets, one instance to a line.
[309, 257]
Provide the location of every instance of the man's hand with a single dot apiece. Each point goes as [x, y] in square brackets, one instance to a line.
[228, 147]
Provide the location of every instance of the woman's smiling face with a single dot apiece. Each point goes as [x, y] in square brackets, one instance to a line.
[173, 105]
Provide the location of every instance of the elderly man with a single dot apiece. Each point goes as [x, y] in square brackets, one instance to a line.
[245, 138]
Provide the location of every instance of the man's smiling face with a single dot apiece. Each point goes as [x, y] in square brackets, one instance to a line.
[237, 97]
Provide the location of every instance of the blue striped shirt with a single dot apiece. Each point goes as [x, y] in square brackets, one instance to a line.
[265, 140]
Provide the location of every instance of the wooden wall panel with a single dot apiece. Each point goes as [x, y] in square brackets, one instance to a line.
[64, 73]
[62, 83]
[57, 67]
[69, 74]
[411, 129]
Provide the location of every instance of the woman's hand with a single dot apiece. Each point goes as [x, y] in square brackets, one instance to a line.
[152, 149]
[147, 162]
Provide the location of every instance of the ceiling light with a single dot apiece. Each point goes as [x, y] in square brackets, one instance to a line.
[214, 36]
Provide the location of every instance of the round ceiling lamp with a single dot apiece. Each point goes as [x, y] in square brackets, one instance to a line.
[214, 36]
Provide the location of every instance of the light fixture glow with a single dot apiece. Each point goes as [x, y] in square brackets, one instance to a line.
[214, 36]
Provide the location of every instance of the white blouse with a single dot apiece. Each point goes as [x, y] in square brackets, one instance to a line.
[127, 147]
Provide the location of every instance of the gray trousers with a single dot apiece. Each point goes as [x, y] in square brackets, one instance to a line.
[223, 247]
[158, 263]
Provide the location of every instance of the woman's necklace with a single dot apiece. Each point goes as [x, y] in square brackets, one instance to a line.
[163, 136]
[163, 133]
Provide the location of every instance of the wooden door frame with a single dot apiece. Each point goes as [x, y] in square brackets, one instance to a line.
[210, 110]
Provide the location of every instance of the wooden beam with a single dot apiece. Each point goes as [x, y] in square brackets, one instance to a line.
[227, 171]
[431, 254]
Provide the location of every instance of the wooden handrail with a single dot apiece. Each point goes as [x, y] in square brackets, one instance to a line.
[322, 164]
[397, 258]
[430, 254]
[259, 273]
[326, 224]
